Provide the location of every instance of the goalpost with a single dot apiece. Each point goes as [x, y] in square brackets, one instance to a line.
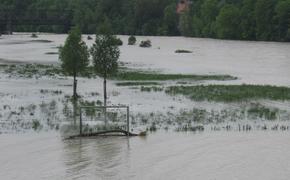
[111, 118]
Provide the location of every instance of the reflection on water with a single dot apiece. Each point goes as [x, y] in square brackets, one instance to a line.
[103, 157]
[208, 155]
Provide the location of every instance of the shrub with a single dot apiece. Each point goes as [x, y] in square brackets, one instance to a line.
[145, 44]
[182, 51]
[118, 42]
[132, 40]
[33, 35]
[89, 38]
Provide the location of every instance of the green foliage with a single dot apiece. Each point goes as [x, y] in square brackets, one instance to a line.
[231, 93]
[146, 76]
[105, 54]
[182, 51]
[145, 44]
[137, 83]
[74, 54]
[228, 22]
[253, 19]
[185, 25]
[264, 13]
[132, 40]
[118, 42]
[283, 19]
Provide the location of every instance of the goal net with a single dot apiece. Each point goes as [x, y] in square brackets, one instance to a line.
[94, 119]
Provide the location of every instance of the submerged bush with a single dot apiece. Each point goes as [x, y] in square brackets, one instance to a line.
[145, 44]
[36, 125]
[89, 38]
[132, 40]
[118, 42]
[33, 35]
[182, 51]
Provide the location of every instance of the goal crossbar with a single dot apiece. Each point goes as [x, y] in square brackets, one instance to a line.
[105, 107]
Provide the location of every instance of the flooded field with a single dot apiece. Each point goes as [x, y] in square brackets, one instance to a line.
[220, 112]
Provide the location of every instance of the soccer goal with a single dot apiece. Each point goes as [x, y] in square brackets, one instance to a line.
[102, 119]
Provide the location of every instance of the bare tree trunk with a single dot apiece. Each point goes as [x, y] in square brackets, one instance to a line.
[75, 88]
[105, 100]
[75, 100]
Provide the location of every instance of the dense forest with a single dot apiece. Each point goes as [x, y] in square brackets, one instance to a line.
[225, 19]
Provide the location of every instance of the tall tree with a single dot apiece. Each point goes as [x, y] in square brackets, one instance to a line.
[248, 21]
[283, 20]
[105, 54]
[228, 22]
[74, 56]
[264, 12]
[209, 12]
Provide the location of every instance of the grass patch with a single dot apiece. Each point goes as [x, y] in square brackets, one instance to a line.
[137, 83]
[41, 41]
[146, 76]
[231, 93]
[152, 88]
[38, 70]
[51, 53]
[182, 51]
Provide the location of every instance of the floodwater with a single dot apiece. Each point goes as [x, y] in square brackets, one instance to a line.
[252, 62]
[216, 156]
[205, 156]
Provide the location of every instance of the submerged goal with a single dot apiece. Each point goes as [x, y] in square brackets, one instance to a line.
[104, 119]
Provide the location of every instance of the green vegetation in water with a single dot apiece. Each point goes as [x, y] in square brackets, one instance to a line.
[142, 83]
[33, 35]
[231, 93]
[262, 112]
[51, 53]
[38, 70]
[41, 41]
[182, 51]
[32, 70]
[132, 40]
[145, 44]
[147, 76]
[152, 88]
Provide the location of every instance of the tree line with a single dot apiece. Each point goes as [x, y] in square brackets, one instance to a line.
[225, 19]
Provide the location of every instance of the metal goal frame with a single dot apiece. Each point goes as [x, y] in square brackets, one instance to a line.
[105, 108]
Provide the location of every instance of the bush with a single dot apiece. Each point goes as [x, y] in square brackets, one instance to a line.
[89, 38]
[145, 44]
[33, 35]
[182, 51]
[132, 40]
[118, 42]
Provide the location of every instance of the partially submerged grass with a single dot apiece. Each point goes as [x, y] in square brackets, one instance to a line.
[32, 70]
[152, 88]
[142, 83]
[51, 53]
[182, 51]
[147, 76]
[231, 93]
[38, 70]
[41, 41]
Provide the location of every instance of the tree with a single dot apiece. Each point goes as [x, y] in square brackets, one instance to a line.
[248, 21]
[185, 24]
[209, 12]
[74, 56]
[170, 20]
[228, 23]
[283, 17]
[264, 12]
[105, 54]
